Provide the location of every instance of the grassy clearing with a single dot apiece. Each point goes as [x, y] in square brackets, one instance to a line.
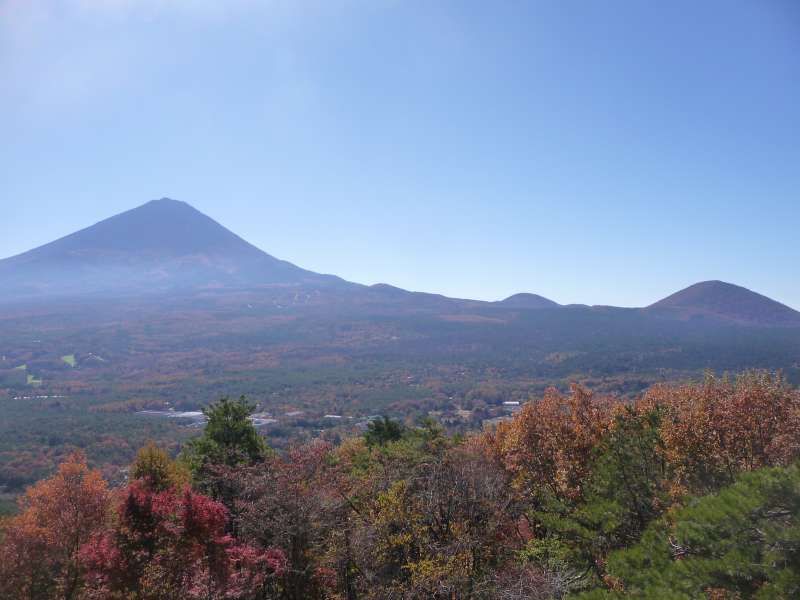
[33, 381]
[21, 368]
[69, 359]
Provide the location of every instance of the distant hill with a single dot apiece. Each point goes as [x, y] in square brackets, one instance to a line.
[524, 300]
[162, 245]
[727, 302]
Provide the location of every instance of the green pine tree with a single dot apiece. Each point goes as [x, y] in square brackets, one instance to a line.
[229, 437]
[743, 542]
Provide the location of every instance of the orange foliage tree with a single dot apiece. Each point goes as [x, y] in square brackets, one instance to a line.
[549, 444]
[723, 426]
[39, 555]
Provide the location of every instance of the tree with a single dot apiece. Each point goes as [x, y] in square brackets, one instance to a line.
[714, 430]
[288, 502]
[465, 517]
[381, 431]
[439, 529]
[171, 545]
[159, 472]
[625, 492]
[532, 582]
[229, 436]
[39, 555]
[549, 445]
[740, 543]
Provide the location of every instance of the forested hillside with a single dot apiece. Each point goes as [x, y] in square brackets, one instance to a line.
[688, 491]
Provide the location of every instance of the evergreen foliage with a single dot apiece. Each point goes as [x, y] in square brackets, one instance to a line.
[743, 542]
[229, 437]
[381, 431]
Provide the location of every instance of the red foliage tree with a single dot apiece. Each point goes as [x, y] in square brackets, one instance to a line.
[172, 544]
[289, 502]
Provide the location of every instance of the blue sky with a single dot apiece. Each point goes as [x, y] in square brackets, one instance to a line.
[598, 152]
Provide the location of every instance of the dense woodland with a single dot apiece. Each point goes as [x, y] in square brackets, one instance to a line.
[74, 376]
[688, 491]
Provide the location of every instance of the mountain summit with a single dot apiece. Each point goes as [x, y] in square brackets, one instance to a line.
[162, 245]
[724, 301]
[525, 300]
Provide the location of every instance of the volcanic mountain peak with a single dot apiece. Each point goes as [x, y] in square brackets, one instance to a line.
[163, 244]
[163, 227]
[725, 301]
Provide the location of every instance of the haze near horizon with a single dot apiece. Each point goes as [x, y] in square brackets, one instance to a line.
[607, 157]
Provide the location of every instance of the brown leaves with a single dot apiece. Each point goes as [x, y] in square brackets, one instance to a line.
[550, 442]
[716, 429]
[710, 432]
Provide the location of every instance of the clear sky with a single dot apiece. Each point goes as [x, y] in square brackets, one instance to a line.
[590, 151]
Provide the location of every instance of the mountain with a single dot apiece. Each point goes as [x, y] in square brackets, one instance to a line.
[723, 301]
[162, 245]
[523, 300]
[166, 246]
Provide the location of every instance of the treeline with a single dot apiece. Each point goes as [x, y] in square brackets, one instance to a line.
[691, 491]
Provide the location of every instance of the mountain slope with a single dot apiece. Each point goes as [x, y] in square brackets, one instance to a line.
[162, 245]
[727, 302]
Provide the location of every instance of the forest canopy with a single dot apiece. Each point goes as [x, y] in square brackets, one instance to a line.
[690, 491]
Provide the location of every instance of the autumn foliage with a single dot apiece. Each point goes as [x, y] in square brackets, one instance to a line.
[550, 442]
[714, 430]
[152, 539]
[577, 495]
[172, 544]
[40, 554]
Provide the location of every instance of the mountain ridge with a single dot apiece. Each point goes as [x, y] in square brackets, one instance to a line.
[167, 245]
